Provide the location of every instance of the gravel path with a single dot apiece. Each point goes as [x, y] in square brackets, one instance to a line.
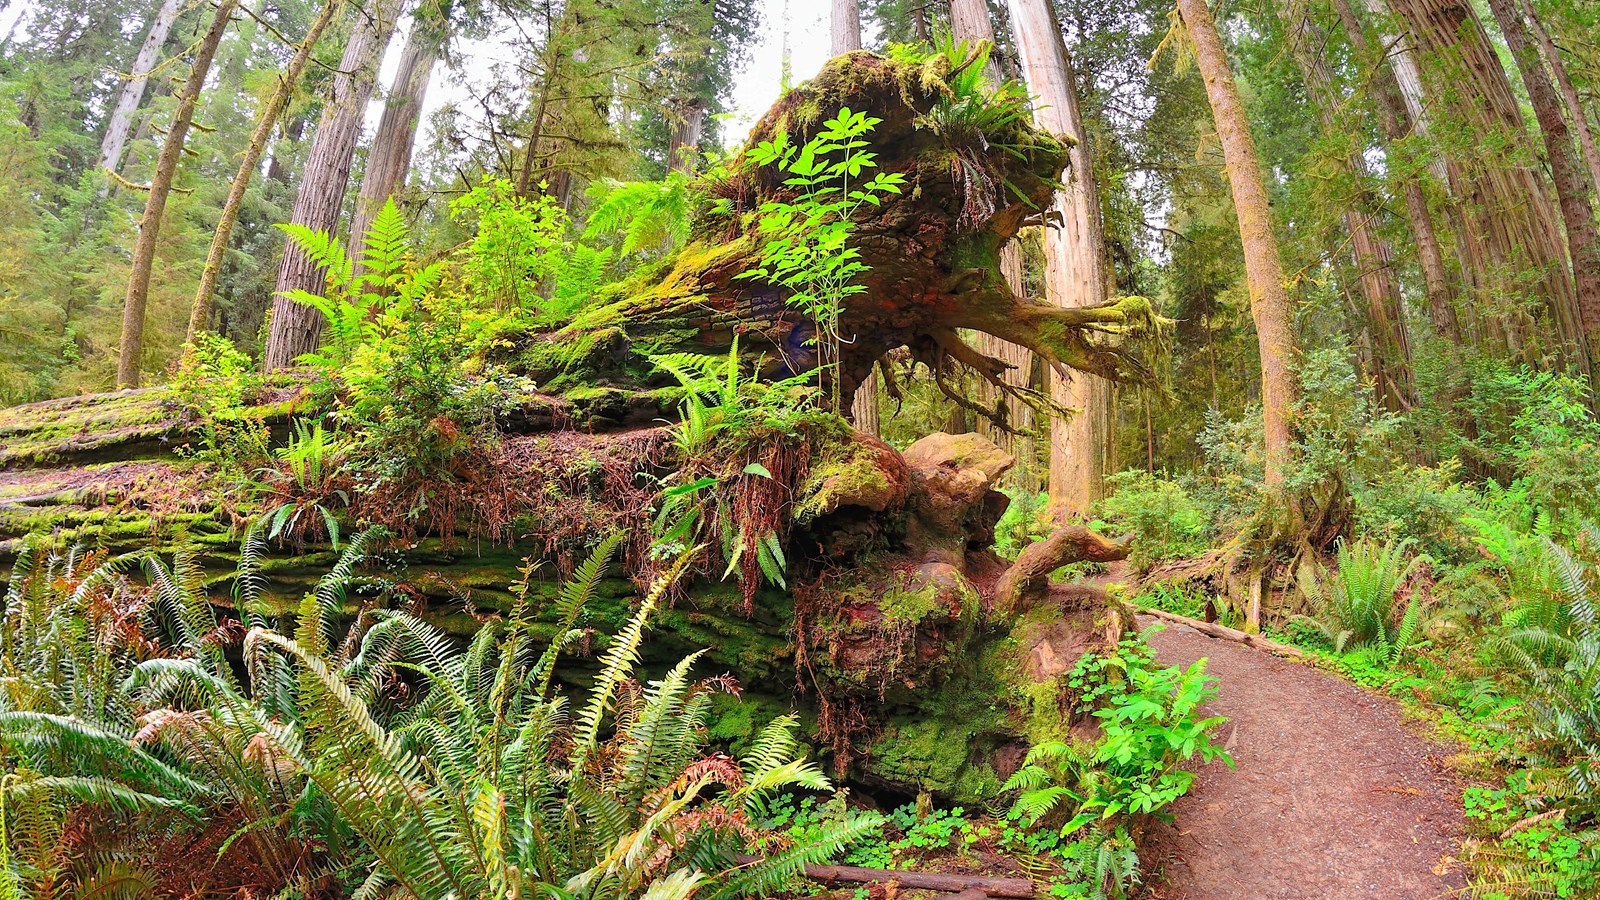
[1334, 798]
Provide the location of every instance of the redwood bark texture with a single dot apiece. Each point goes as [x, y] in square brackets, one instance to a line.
[1569, 92]
[389, 161]
[1392, 121]
[864, 410]
[266, 120]
[1571, 180]
[120, 123]
[846, 26]
[297, 329]
[144, 250]
[1512, 223]
[688, 126]
[1270, 306]
[1075, 273]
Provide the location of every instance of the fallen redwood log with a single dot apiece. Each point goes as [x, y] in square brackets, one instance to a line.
[963, 886]
[1212, 629]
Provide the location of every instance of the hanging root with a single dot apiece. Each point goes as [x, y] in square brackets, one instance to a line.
[948, 347]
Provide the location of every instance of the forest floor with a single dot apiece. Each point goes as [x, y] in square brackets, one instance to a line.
[1334, 797]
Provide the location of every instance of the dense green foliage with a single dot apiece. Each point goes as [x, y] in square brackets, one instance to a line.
[368, 751]
[1431, 536]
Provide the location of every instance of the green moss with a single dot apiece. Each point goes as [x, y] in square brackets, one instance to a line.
[736, 721]
[842, 472]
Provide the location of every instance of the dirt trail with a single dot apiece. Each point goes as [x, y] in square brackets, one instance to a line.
[1333, 799]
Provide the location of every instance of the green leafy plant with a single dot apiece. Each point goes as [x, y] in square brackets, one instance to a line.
[302, 486]
[977, 120]
[352, 302]
[213, 383]
[1167, 521]
[521, 255]
[1357, 601]
[723, 413]
[648, 216]
[1152, 728]
[305, 765]
[807, 249]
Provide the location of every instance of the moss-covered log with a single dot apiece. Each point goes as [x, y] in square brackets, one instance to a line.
[902, 634]
[931, 252]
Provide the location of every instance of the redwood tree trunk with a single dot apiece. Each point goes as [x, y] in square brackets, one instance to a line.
[846, 24]
[1571, 180]
[1569, 92]
[1513, 226]
[144, 250]
[1392, 118]
[1385, 311]
[297, 329]
[266, 120]
[1076, 274]
[688, 125]
[969, 21]
[1269, 296]
[389, 161]
[121, 121]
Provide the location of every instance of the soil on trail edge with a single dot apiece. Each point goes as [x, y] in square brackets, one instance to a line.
[1333, 798]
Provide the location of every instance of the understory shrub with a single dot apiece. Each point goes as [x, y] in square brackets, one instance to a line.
[1088, 805]
[364, 757]
[1166, 521]
[1357, 601]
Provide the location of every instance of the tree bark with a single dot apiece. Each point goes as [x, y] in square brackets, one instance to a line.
[1270, 305]
[1571, 180]
[390, 158]
[846, 22]
[1513, 225]
[121, 121]
[1076, 274]
[266, 120]
[1385, 310]
[970, 22]
[688, 126]
[1392, 118]
[1569, 92]
[144, 249]
[297, 329]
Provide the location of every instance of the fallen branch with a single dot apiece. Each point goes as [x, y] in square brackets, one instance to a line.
[964, 886]
[1212, 629]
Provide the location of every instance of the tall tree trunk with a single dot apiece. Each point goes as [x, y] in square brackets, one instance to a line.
[969, 21]
[1392, 118]
[389, 161]
[688, 125]
[1269, 295]
[266, 120]
[144, 250]
[297, 329]
[846, 24]
[121, 121]
[1569, 92]
[1385, 311]
[1076, 273]
[1514, 226]
[1571, 180]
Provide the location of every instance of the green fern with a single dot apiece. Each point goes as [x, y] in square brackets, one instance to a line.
[648, 215]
